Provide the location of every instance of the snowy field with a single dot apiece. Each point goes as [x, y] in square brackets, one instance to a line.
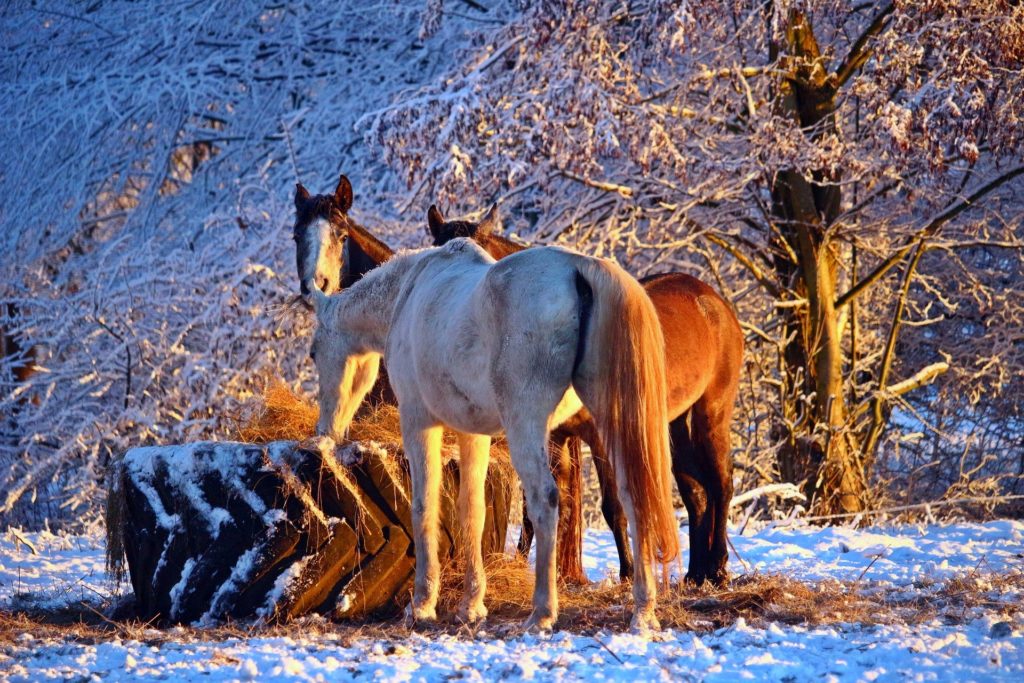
[985, 641]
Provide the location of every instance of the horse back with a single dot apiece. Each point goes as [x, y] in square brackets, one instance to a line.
[437, 348]
[702, 336]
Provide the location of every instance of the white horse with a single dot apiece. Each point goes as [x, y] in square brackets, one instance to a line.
[479, 347]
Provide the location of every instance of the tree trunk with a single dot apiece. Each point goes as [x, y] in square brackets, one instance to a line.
[818, 447]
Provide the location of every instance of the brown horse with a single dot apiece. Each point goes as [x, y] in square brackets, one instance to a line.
[333, 252]
[704, 353]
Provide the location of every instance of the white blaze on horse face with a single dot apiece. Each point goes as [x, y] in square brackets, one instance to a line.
[323, 257]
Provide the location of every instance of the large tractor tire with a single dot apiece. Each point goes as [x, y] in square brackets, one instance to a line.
[275, 531]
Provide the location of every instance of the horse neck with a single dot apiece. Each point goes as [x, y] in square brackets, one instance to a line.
[499, 247]
[363, 252]
[355, 264]
[366, 308]
[373, 248]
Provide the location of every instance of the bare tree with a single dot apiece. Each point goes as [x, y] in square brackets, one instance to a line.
[145, 243]
[846, 173]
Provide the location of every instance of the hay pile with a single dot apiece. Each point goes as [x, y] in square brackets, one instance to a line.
[281, 414]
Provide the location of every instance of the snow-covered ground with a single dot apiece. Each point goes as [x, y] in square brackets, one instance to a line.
[984, 645]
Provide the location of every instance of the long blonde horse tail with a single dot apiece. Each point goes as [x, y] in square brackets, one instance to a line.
[620, 376]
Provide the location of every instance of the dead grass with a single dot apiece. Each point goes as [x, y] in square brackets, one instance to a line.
[279, 414]
[759, 599]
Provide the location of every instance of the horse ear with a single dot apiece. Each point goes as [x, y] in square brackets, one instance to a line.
[435, 221]
[343, 194]
[301, 195]
[490, 223]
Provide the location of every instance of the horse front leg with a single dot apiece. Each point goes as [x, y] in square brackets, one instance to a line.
[422, 443]
[644, 588]
[474, 453]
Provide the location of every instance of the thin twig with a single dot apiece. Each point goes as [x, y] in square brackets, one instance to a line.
[608, 649]
[746, 567]
[901, 508]
[870, 564]
[19, 539]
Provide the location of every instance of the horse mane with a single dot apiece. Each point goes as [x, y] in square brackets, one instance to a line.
[499, 247]
[374, 248]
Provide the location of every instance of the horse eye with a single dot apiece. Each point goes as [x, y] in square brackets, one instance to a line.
[312, 354]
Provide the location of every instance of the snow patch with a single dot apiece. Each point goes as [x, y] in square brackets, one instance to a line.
[178, 588]
[282, 585]
[985, 647]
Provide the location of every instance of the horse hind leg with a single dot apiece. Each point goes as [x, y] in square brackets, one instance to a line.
[717, 469]
[644, 588]
[611, 506]
[687, 457]
[527, 440]
[565, 457]
[529, 383]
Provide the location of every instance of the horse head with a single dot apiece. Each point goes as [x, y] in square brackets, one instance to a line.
[321, 228]
[442, 231]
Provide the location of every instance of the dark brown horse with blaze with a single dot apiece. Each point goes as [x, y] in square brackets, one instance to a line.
[704, 354]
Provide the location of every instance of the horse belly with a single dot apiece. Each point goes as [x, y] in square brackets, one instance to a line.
[464, 409]
[457, 390]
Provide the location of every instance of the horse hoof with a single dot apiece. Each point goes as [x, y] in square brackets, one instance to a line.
[718, 579]
[420, 616]
[472, 615]
[697, 578]
[644, 623]
[538, 623]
